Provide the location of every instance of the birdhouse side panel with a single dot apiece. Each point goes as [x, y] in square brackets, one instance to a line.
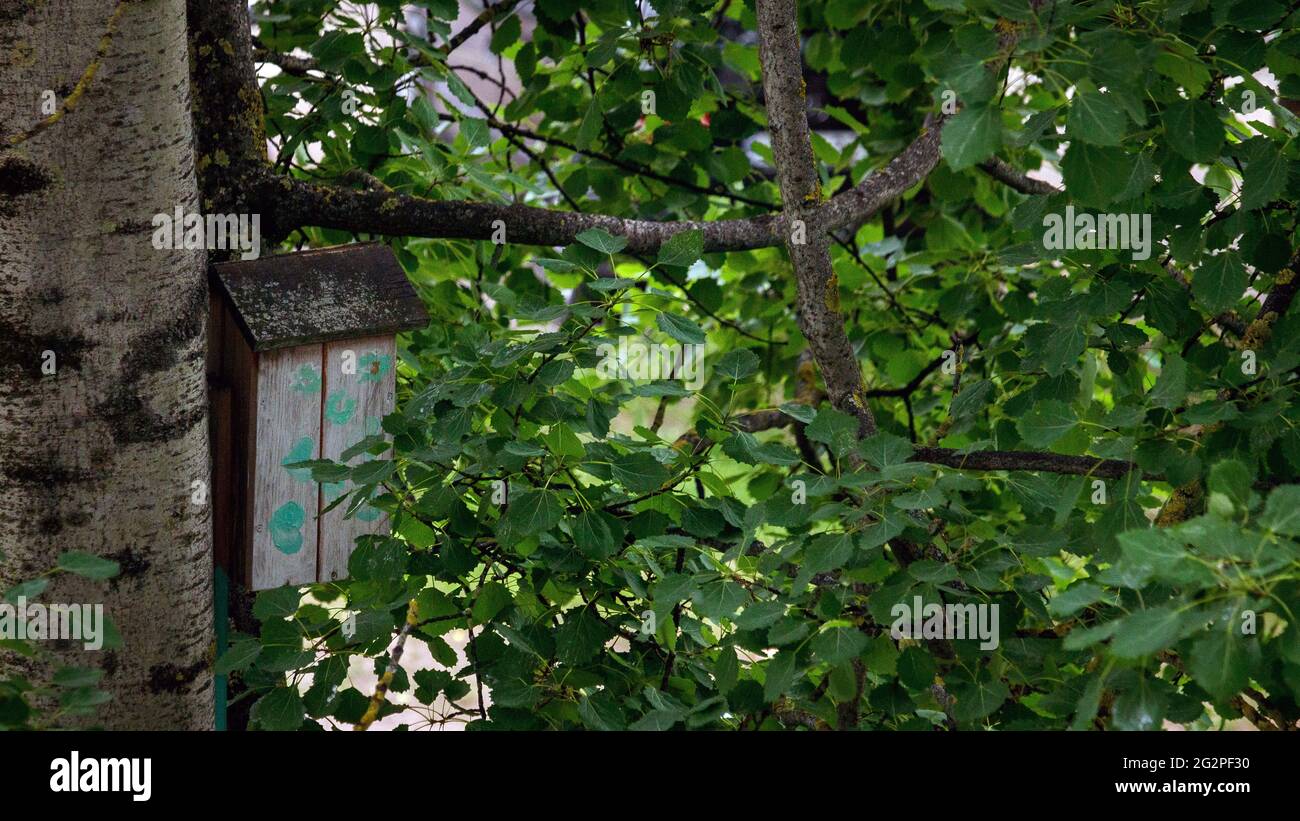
[360, 382]
[286, 500]
[221, 430]
[232, 386]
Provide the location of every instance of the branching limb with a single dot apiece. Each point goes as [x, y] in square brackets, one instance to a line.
[817, 287]
[386, 680]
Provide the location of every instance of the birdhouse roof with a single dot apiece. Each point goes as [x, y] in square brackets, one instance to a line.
[322, 295]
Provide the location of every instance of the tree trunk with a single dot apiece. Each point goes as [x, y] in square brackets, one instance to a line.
[102, 456]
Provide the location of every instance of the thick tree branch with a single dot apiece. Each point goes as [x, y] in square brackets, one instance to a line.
[291, 203]
[850, 209]
[230, 103]
[492, 12]
[288, 63]
[1275, 305]
[1016, 179]
[1027, 460]
[817, 288]
[228, 114]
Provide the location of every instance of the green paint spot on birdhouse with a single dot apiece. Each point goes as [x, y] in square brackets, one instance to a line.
[339, 407]
[286, 528]
[301, 451]
[333, 490]
[307, 380]
[373, 366]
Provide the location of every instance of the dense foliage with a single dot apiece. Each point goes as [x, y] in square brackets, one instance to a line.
[652, 554]
[73, 691]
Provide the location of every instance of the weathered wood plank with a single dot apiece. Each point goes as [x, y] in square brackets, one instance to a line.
[355, 405]
[286, 502]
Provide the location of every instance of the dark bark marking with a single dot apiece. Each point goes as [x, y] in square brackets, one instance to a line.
[18, 178]
[168, 678]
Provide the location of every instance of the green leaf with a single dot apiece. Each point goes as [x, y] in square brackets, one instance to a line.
[1219, 662]
[29, 589]
[600, 711]
[506, 35]
[372, 473]
[604, 285]
[602, 240]
[280, 709]
[83, 699]
[1096, 118]
[972, 136]
[1063, 348]
[972, 399]
[726, 668]
[597, 534]
[1265, 176]
[719, 600]
[1046, 422]
[556, 372]
[1095, 175]
[1140, 708]
[672, 589]
[1184, 68]
[916, 668]
[417, 533]
[489, 601]
[828, 551]
[1171, 386]
[657, 720]
[682, 249]
[81, 676]
[1193, 130]
[780, 673]
[639, 472]
[1220, 282]
[580, 637]
[1146, 631]
[838, 430]
[1282, 511]
[88, 565]
[240, 655]
[1232, 479]
[680, 328]
[979, 699]
[923, 499]
[564, 443]
[276, 603]
[838, 644]
[533, 511]
[745, 447]
[475, 132]
[589, 129]
[885, 450]
[801, 413]
[737, 365]
[1075, 598]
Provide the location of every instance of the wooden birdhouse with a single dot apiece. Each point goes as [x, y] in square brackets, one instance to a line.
[301, 366]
